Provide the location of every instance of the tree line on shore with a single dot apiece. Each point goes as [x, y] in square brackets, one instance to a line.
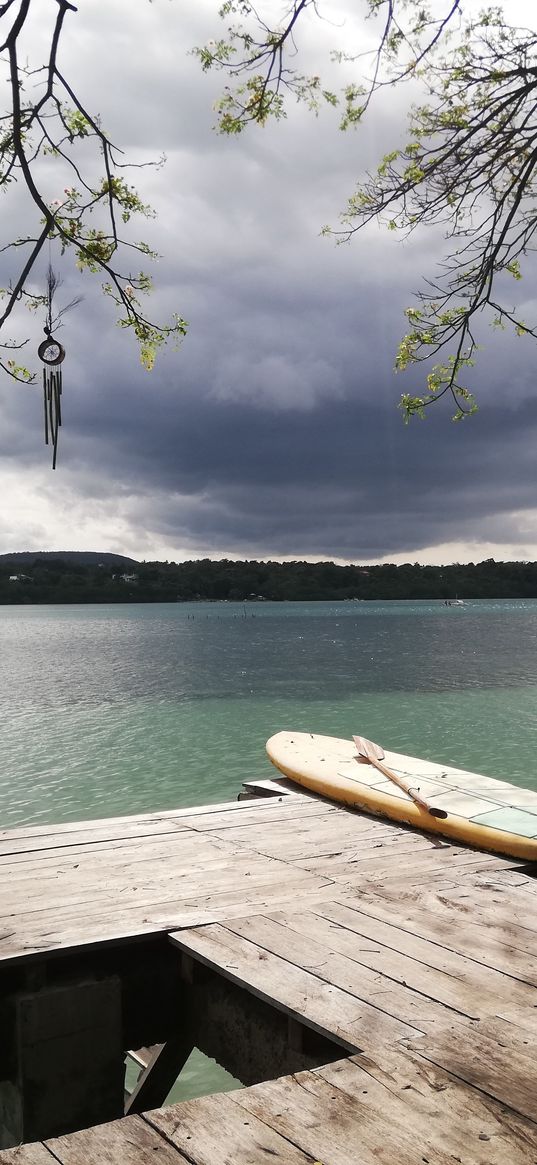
[59, 580]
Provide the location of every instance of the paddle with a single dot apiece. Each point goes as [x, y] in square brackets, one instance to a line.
[374, 754]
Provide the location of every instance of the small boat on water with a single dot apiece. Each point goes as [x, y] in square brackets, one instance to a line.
[465, 807]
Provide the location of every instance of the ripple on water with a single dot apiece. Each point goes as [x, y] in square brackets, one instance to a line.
[108, 710]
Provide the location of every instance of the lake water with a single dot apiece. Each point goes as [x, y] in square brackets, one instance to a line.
[124, 709]
[114, 709]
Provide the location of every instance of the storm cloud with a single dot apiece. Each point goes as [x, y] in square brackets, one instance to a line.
[274, 431]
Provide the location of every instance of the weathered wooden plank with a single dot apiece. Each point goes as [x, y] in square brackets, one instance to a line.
[58, 839]
[272, 810]
[155, 860]
[106, 826]
[269, 788]
[467, 986]
[53, 849]
[76, 842]
[524, 1017]
[124, 1142]
[125, 860]
[506, 1073]
[521, 884]
[306, 947]
[291, 807]
[174, 885]
[160, 867]
[205, 911]
[124, 895]
[165, 911]
[380, 864]
[488, 892]
[432, 920]
[371, 841]
[113, 827]
[336, 1128]
[508, 1034]
[214, 1131]
[471, 912]
[35, 1154]
[50, 863]
[120, 828]
[316, 836]
[454, 1117]
[378, 964]
[324, 1007]
[420, 866]
[43, 932]
[351, 850]
[514, 917]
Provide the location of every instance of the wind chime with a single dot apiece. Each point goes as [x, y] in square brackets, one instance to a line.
[52, 353]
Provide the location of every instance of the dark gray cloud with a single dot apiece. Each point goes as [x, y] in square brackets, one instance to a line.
[340, 480]
[274, 431]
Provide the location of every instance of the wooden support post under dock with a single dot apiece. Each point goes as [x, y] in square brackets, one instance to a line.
[67, 1056]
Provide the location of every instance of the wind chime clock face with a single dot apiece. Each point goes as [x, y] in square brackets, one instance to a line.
[50, 351]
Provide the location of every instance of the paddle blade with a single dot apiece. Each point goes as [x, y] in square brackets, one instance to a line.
[367, 750]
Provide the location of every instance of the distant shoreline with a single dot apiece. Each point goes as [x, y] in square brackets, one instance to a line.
[138, 602]
[41, 579]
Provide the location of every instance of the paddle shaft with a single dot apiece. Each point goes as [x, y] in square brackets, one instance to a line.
[423, 804]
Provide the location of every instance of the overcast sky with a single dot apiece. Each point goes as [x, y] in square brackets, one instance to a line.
[274, 431]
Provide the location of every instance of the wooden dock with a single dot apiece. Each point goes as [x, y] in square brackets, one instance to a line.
[374, 989]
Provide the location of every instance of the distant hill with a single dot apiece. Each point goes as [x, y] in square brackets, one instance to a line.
[76, 557]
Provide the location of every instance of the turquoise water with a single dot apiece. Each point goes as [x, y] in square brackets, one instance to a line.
[114, 709]
[120, 709]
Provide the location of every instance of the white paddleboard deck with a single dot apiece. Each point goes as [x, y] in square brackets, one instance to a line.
[481, 810]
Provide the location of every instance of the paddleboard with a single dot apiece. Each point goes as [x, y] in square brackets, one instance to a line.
[482, 812]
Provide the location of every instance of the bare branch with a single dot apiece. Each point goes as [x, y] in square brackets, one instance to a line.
[469, 165]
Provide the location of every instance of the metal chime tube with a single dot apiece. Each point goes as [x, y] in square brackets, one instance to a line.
[52, 390]
[45, 404]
